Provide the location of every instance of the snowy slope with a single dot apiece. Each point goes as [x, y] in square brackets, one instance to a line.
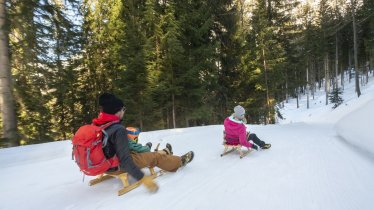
[321, 113]
[313, 164]
[353, 120]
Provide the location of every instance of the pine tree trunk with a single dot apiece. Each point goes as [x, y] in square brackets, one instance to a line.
[350, 66]
[267, 90]
[327, 78]
[342, 76]
[7, 104]
[367, 71]
[297, 97]
[319, 76]
[313, 77]
[269, 10]
[371, 61]
[357, 84]
[362, 78]
[173, 101]
[286, 87]
[167, 118]
[307, 85]
[336, 61]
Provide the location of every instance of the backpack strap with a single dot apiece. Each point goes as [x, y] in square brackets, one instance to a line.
[115, 125]
[108, 124]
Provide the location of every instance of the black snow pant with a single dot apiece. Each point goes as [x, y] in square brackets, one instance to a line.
[255, 139]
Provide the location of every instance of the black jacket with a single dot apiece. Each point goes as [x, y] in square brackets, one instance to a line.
[118, 144]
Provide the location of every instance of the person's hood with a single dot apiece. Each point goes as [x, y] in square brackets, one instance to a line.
[104, 118]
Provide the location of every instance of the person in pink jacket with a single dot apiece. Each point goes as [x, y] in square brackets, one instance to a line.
[236, 131]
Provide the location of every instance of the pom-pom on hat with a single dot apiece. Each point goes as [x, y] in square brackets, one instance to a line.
[110, 104]
[239, 112]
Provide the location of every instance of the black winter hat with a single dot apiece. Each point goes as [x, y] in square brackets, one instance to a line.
[110, 104]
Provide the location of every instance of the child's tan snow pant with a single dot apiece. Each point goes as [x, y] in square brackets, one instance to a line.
[151, 159]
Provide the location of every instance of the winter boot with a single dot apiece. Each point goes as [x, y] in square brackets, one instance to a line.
[168, 149]
[266, 146]
[149, 144]
[186, 158]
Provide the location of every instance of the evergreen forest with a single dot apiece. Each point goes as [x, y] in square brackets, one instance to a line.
[174, 63]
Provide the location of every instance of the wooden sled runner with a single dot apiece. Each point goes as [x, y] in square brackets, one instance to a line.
[123, 176]
[230, 148]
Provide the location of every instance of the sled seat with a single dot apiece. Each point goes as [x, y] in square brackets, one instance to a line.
[230, 147]
[123, 176]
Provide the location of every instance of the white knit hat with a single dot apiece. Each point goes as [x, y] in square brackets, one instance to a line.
[239, 112]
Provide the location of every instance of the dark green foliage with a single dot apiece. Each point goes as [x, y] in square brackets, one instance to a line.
[335, 97]
[43, 40]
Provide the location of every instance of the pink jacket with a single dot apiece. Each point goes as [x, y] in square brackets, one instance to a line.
[236, 132]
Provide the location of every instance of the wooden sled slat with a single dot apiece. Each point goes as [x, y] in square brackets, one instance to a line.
[128, 188]
[99, 179]
[123, 176]
[243, 154]
[230, 148]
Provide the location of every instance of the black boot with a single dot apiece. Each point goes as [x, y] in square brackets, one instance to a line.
[168, 149]
[266, 146]
[149, 144]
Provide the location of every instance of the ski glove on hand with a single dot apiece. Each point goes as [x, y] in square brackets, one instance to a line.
[148, 182]
[255, 147]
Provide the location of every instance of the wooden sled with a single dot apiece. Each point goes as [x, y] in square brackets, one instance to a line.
[230, 148]
[123, 176]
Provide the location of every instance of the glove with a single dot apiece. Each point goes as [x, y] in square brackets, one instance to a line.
[148, 182]
[149, 144]
[136, 139]
[255, 147]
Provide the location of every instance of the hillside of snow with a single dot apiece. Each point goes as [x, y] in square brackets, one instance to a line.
[352, 120]
[320, 159]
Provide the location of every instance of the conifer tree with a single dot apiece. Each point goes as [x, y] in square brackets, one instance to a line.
[172, 59]
[335, 97]
[174, 63]
[41, 41]
[8, 113]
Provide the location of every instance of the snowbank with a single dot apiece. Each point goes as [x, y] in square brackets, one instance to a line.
[357, 127]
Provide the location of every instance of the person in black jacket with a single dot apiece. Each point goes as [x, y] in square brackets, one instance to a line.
[113, 109]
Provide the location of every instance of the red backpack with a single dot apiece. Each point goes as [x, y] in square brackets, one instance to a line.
[88, 143]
